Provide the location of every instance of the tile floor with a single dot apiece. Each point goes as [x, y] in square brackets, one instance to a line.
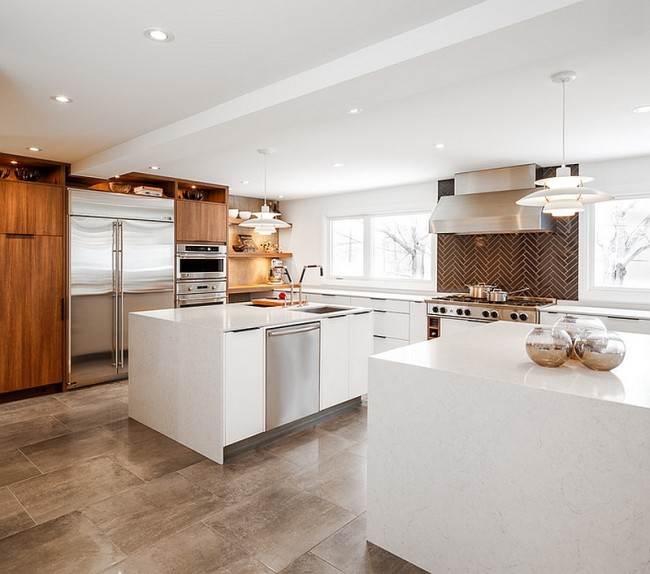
[84, 489]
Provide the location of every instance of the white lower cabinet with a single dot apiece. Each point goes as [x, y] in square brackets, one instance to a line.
[612, 323]
[244, 396]
[327, 298]
[418, 323]
[391, 321]
[346, 344]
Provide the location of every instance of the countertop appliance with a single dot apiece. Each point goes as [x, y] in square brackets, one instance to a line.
[200, 274]
[292, 373]
[454, 312]
[121, 259]
[276, 272]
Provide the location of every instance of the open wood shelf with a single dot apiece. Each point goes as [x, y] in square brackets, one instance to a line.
[237, 221]
[256, 288]
[249, 255]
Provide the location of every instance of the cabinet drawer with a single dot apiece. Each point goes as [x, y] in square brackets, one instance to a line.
[381, 304]
[389, 324]
[327, 298]
[381, 344]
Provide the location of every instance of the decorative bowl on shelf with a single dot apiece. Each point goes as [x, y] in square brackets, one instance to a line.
[195, 194]
[232, 213]
[575, 325]
[548, 346]
[27, 173]
[4, 172]
[119, 186]
[244, 214]
[600, 350]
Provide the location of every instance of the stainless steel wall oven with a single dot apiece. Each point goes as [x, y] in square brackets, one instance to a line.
[201, 273]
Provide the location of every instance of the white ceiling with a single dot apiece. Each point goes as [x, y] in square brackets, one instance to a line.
[282, 74]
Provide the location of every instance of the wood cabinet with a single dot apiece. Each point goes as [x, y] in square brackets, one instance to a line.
[32, 343]
[201, 221]
[31, 208]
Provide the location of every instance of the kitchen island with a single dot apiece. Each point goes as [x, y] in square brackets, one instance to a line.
[198, 374]
[481, 461]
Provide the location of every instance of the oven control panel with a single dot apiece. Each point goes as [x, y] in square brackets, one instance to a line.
[483, 312]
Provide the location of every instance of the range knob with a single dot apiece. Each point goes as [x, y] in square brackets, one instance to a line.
[523, 316]
[467, 312]
[494, 314]
[485, 313]
[434, 309]
[459, 311]
[189, 287]
[514, 316]
[443, 309]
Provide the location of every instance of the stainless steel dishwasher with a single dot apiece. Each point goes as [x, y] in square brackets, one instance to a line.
[292, 373]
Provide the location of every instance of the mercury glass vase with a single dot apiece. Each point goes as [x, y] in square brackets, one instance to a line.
[548, 346]
[574, 325]
[600, 350]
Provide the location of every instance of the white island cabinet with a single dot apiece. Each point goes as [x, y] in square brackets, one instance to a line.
[197, 375]
[480, 460]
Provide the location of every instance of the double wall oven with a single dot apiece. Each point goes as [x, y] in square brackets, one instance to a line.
[200, 274]
[453, 313]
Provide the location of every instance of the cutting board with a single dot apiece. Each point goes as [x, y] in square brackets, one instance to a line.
[273, 302]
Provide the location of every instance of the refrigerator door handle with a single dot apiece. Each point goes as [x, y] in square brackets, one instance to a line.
[120, 294]
[115, 298]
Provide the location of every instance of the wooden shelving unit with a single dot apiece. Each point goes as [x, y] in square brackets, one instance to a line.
[253, 254]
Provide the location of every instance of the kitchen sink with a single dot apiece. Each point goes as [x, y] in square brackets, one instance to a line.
[321, 310]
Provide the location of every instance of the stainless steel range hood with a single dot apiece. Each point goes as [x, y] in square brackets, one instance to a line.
[485, 203]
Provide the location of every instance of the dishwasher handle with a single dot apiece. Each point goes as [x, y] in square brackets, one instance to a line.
[292, 331]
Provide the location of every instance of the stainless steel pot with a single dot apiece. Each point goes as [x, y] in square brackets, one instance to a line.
[479, 291]
[501, 296]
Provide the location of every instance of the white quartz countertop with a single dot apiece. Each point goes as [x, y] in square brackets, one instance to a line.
[578, 309]
[417, 297]
[497, 351]
[237, 316]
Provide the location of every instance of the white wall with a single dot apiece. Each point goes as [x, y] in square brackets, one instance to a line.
[307, 239]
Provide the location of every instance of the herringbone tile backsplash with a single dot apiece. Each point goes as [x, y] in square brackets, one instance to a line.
[546, 263]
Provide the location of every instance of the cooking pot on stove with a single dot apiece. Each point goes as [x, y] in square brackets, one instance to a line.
[479, 291]
[501, 296]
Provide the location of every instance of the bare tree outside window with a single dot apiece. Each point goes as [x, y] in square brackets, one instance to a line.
[402, 246]
[346, 247]
[622, 242]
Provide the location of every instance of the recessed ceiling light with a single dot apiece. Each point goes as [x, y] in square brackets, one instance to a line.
[244, 182]
[337, 165]
[13, 162]
[154, 167]
[61, 99]
[33, 148]
[439, 146]
[158, 35]
[280, 196]
[641, 110]
[354, 111]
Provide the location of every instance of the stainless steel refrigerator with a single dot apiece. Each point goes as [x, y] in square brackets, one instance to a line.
[121, 256]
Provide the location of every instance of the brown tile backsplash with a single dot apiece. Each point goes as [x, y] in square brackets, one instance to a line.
[546, 263]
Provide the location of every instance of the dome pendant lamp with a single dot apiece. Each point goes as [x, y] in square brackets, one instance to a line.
[564, 195]
[264, 222]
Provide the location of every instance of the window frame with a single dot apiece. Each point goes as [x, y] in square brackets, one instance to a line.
[368, 249]
[587, 291]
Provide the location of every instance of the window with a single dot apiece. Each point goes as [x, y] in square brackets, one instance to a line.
[387, 246]
[615, 250]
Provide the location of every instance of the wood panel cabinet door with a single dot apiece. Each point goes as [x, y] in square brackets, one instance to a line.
[201, 221]
[33, 208]
[31, 343]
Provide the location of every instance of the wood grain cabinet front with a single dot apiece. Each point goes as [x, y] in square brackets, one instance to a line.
[31, 208]
[32, 340]
[201, 221]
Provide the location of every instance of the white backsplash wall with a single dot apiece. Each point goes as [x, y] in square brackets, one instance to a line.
[307, 239]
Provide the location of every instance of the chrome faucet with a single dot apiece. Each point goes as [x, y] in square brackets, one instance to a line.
[302, 276]
[285, 271]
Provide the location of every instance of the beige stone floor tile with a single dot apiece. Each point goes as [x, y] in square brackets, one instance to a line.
[240, 476]
[22, 433]
[73, 448]
[352, 425]
[155, 457]
[146, 514]
[94, 395]
[308, 446]
[71, 488]
[15, 466]
[68, 545]
[341, 479]
[26, 409]
[349, 551]
[131, 431]
[359, 448]
[91, 416]
[13, 517]
[196, 549]
[311, 564]
[279, 524]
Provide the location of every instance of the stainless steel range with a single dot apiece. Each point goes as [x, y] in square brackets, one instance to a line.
[457, 312]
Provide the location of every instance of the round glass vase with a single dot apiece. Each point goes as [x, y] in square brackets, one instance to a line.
[574, 325]
[600, 350]
[548, 346]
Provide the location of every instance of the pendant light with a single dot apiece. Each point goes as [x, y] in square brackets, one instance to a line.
[264, 222]
[564, 195]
